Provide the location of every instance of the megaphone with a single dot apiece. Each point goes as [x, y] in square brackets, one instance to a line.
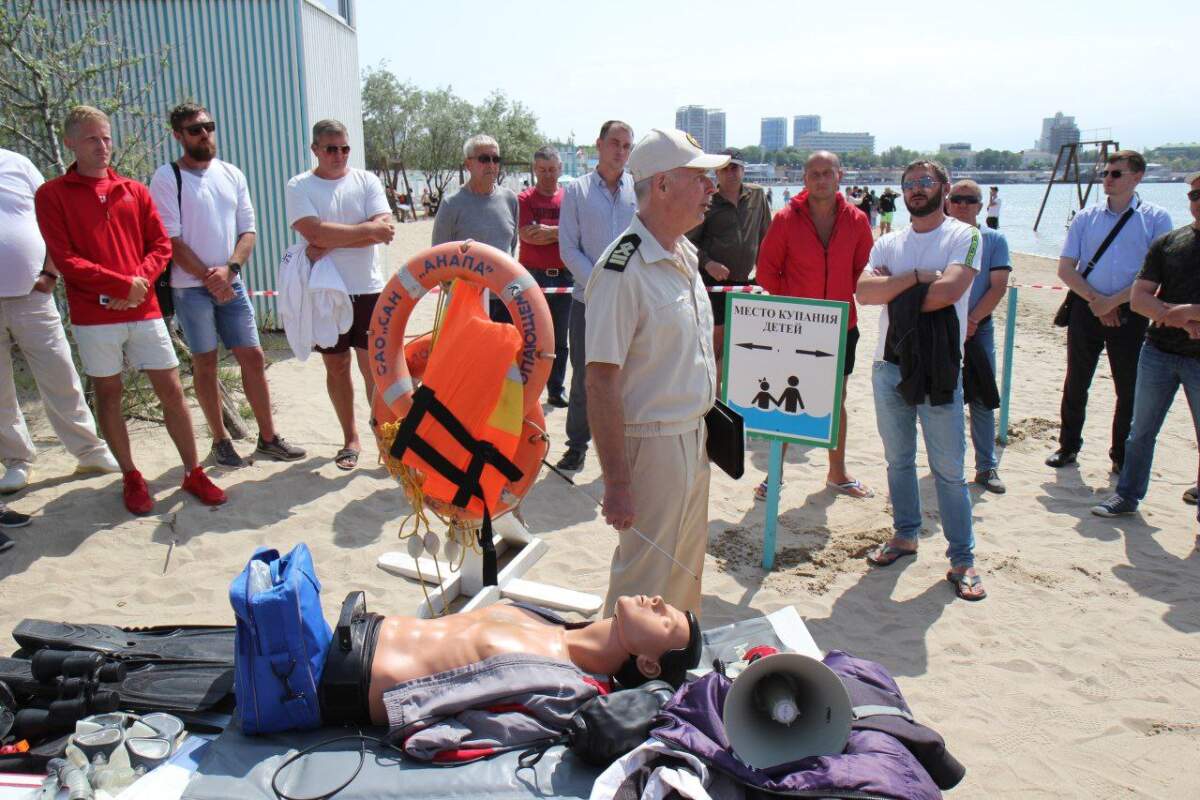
[785, 707]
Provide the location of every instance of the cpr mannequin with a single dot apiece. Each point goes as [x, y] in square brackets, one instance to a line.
[643, 640]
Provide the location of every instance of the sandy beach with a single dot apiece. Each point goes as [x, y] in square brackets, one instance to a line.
[1079, 676]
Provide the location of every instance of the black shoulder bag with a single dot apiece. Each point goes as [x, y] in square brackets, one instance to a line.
[1063, 316]
[162, 285]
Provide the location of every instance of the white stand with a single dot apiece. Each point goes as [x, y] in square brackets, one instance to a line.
[468, 580]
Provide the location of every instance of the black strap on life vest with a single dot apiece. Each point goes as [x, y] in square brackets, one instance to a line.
[483, 453]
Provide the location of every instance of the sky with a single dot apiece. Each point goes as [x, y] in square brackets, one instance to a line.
[913, 74]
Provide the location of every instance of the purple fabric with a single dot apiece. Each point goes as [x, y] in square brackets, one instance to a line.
[873, 762]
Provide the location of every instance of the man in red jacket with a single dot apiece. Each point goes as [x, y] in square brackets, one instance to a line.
[104, 235]
[816, 247]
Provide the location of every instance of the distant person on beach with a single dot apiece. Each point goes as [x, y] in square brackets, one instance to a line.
[866, 204]
[1103, 321]
[107, 240]
[817, 246]
[727, 241]
[887, 210]
[427, 202]
[987, 290]
[29, 318]
[482, 209]
[652, 375]
[874, 207]
[770, 198]
[596, 207]
[993, 208]
[205, 207]
[1167, 292]
[944, 254]
[538, 210]
[787, 196]
[342, 213]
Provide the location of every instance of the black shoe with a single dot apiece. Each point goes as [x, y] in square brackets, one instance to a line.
[12, 519]
[1115, 506]
[990, 479]
[572, 460]
[279, 449]
[5, 543]
[1062, 458]
[557, 400]
[1190, 495]
[224, 454]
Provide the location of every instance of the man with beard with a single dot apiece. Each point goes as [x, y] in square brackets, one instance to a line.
[943, 253]
[205, 207]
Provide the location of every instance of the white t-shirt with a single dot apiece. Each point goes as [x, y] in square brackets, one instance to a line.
[905, 250]
[216, 210]
[22, 251]
[349, 200]
[994, 207]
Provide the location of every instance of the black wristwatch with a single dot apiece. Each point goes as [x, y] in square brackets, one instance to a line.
[235, 268]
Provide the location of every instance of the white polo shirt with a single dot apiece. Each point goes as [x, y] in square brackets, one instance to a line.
[648, 313]
[22, 251]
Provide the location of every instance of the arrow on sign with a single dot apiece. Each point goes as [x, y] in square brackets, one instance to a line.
[817, 353]
[752, 346]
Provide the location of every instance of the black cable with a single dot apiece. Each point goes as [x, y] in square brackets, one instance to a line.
[362, 759]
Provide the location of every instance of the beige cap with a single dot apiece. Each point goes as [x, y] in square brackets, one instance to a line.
[660, 151]
[1190, 179]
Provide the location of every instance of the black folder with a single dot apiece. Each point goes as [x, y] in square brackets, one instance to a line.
[726, 439]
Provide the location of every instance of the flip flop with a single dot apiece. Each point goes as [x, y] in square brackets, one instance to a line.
[850, 487]
[964, 583]
[346, 459]
[760, 491]
[887, 554]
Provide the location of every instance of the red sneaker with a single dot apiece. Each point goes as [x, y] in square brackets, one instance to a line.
[205, 490]
[137, 494]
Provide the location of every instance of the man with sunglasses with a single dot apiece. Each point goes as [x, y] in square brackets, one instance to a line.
[205, 207]
[1103, 320]
[343, 213]
[482, 209]
[945, 254]
[1167, 292]
[987, 290]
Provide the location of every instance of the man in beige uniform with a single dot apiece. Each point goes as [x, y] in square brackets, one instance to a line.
[651, 375]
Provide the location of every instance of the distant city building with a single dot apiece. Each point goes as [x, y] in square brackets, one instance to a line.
[1177, 150]
[955, 147]
[693, 120]
[806, 123]
[773, 134]
[756, 173]
[835, 142]
[1057, 131]
[714, 136]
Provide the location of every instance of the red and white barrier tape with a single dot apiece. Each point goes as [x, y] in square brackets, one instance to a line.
[1050, 286]
[560, 290]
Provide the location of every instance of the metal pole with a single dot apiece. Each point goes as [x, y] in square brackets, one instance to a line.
[774, 474]
[1010, 331]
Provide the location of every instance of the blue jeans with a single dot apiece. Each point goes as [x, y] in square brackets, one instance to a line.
[204, 319]
[983, 419]
[1159, 375]
[945, 446]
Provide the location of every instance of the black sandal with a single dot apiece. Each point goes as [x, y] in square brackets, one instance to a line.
[964, 583]
[346, 459]
[887, 554]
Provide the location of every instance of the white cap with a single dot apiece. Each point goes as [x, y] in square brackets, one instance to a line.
[1189, 180]
[661, 151]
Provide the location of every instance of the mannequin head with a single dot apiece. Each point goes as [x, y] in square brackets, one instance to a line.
[663, 642]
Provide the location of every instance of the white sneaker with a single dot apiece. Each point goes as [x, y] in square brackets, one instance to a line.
[16, 477]
[97, 462]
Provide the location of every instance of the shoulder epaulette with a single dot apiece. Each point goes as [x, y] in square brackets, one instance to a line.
[620, 255]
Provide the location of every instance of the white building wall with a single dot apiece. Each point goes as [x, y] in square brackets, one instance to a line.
[331, 75]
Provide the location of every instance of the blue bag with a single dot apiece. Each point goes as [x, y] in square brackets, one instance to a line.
[282, 638]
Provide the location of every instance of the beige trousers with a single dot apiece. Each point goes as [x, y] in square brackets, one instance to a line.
[670, 503]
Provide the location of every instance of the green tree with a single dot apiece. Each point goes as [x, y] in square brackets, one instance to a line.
[898, 156]
[444, 124]
[512, 125]
[392, 112]
[753, 154]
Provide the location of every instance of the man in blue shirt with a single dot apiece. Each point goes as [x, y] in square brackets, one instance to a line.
[1103, 321]
[596, 209]
[987, 290]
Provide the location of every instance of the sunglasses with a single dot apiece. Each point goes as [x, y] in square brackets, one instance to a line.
[1113, 173]
[334, 149]
[486, 159]
[925, 182]
[1194, 195]
[194, 130]
[963, 199]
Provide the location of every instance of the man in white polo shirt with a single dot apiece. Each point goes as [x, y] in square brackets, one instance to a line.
[652, 375]
[343, 212]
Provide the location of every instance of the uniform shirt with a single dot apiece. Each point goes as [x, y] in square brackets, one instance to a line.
[905, 250]
[210, 212]
[993, 209]
[995, 257]
[1174, 264]
[592, 218]
[1121, 261]
[653, 319]
[535, 207]
[731, 234]
[22, 251]
[352, 199]
[489, 218]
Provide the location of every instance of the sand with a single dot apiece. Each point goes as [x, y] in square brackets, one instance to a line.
[1077, 677]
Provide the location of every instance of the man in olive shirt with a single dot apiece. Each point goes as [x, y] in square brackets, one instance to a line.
[1167, 291]
[727, 241]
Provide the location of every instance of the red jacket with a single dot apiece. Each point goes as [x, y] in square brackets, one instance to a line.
[793, 262]
[101, 247]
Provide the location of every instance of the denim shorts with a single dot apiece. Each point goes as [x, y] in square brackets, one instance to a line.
[203, 319]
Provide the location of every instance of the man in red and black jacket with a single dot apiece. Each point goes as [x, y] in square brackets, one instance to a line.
[816, 247]
[103, 233]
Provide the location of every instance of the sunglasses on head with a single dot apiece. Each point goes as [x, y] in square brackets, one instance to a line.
[963, 199]
[487, 159]
[334, 149]
[1113, 173]
[1194, 195]
[194, 130]
[925, 182]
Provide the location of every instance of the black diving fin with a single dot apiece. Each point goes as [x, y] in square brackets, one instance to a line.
[189, 644]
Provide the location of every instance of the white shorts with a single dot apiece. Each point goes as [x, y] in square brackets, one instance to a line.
[103, 349]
